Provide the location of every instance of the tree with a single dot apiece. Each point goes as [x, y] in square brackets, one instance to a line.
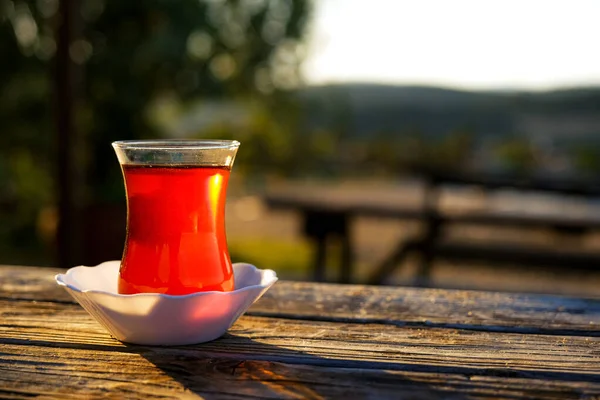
[135, 52]
[128, 54]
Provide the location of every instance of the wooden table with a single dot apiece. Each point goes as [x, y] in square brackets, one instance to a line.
[327, 213]
[307, 340]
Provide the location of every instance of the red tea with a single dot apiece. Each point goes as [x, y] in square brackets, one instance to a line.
[176, 240]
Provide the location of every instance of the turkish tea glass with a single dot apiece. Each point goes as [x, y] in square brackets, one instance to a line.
[176, 191]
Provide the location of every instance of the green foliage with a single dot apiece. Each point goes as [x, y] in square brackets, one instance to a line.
[413, 151]
[586, 159]
[266, 141]
[26, 157]
[127, 55]
[518, 155]
[186, 49]
[287, 258]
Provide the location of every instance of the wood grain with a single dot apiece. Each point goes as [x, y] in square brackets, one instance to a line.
[31, 283]
[399, 306]
[310, 341]
[335, 344]
[464, 309]
[71, 356]
[165, 373]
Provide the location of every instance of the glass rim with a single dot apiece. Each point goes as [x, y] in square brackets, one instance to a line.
[176, 144]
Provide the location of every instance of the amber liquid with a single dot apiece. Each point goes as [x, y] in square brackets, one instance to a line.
[176, 240]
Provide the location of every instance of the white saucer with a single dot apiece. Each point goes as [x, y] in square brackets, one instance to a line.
[161, 319]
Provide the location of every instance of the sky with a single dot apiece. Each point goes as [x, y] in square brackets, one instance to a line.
[469, 44]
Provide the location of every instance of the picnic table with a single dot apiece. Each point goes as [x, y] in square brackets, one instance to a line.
[327, 213]
[311, 341]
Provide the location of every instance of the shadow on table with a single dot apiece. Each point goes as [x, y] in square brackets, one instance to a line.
[238, 366]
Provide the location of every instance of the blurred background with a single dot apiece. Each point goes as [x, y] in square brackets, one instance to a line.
[449, 144]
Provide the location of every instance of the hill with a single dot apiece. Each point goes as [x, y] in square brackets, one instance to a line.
[362, 110]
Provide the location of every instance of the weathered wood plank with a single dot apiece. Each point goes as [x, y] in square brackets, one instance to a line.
[464, 309]
[334, 344]
[474, 310]
[57, 350]
[160, 373]
[335, 341]
[31, 283]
